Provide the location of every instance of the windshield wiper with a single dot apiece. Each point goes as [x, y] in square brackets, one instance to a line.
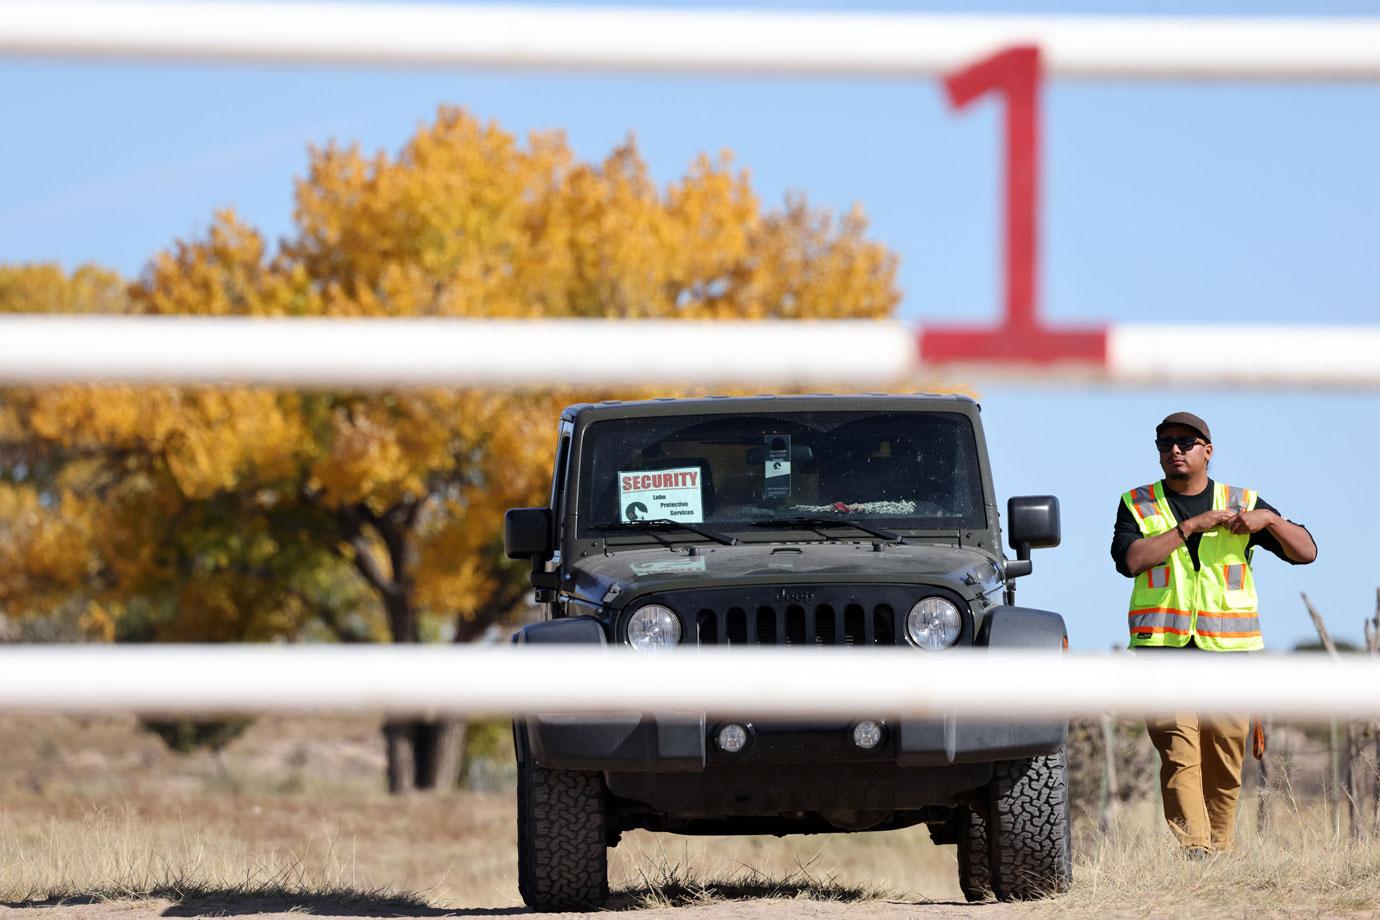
[818, 524]
[655, 524]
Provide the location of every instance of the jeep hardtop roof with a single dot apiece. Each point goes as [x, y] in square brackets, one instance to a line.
[708, 405]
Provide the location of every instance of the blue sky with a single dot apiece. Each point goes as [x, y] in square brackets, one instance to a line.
[1170, 202]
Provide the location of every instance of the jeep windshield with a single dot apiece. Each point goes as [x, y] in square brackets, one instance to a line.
[900, 471]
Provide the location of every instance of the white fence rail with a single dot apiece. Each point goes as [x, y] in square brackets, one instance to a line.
[691, 41]
[1304, 356]
[384, 352]
[372, 353]
[746, 682]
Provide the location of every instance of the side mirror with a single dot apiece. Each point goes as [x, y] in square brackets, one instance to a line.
[1032, 522]
[527, 533]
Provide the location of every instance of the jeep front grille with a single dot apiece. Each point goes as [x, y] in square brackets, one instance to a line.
[796, 624]
[763, 615]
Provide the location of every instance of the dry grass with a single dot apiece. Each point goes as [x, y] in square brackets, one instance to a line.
[294, 817]
[136, 850]
[97, 808]
[441, 853]
[1299, 869]
[296, 809]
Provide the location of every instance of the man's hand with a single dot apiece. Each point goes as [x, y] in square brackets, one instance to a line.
[1202, 523]
[1252, 521]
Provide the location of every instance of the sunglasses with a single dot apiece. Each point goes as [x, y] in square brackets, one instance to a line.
[1185, 444]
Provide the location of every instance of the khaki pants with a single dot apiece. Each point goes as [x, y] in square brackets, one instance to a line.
[1200, 775]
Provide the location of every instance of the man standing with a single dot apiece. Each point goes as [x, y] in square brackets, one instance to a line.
[1187, 541]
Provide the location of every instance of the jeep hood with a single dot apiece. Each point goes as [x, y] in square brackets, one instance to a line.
[644, 569]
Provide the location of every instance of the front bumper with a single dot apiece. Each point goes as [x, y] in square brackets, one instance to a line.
[682, 742]
[670, 762]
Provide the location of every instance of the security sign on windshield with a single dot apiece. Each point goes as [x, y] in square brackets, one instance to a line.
[650, 495]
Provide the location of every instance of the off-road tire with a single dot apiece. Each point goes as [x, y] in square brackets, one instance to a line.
[562, 837]
[1029, 842]
[974, 879]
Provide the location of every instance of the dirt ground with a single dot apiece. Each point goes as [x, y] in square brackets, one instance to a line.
[752, 909]
[742, 910]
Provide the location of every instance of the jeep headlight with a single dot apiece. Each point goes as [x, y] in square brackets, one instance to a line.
[934, 623]
[653, 628]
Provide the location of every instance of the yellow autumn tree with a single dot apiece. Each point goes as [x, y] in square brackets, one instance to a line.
[243, 514]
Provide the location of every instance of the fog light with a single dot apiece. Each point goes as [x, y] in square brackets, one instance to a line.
[867, 734]
[732, 739]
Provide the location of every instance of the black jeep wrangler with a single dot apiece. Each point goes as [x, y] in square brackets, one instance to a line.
[784, 521]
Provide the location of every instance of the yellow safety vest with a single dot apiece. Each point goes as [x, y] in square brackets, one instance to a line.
[1214, 605]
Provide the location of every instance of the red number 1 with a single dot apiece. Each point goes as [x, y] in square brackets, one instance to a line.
[1014, 74]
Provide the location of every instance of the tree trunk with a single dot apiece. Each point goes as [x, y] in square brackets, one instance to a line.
[402, 735]
[438, 746]
[423, 754]
[398, 744]
[439, 750]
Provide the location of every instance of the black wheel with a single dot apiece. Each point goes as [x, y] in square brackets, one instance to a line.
[973, 877]
[1029, 842]
[562, 818]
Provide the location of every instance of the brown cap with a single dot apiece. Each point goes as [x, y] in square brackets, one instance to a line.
[1188, 420]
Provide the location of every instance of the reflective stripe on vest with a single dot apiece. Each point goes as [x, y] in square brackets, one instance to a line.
[1236, 499]
[1228, 626]
[1171, 621]
[1143, 502]
[1214, 606]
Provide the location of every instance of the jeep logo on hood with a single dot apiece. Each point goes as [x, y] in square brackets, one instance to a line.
[797, 595]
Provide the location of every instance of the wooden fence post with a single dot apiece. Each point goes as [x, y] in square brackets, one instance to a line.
[1372, 630]
[1262, 802]
[1342, 743]
[1109, 779]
